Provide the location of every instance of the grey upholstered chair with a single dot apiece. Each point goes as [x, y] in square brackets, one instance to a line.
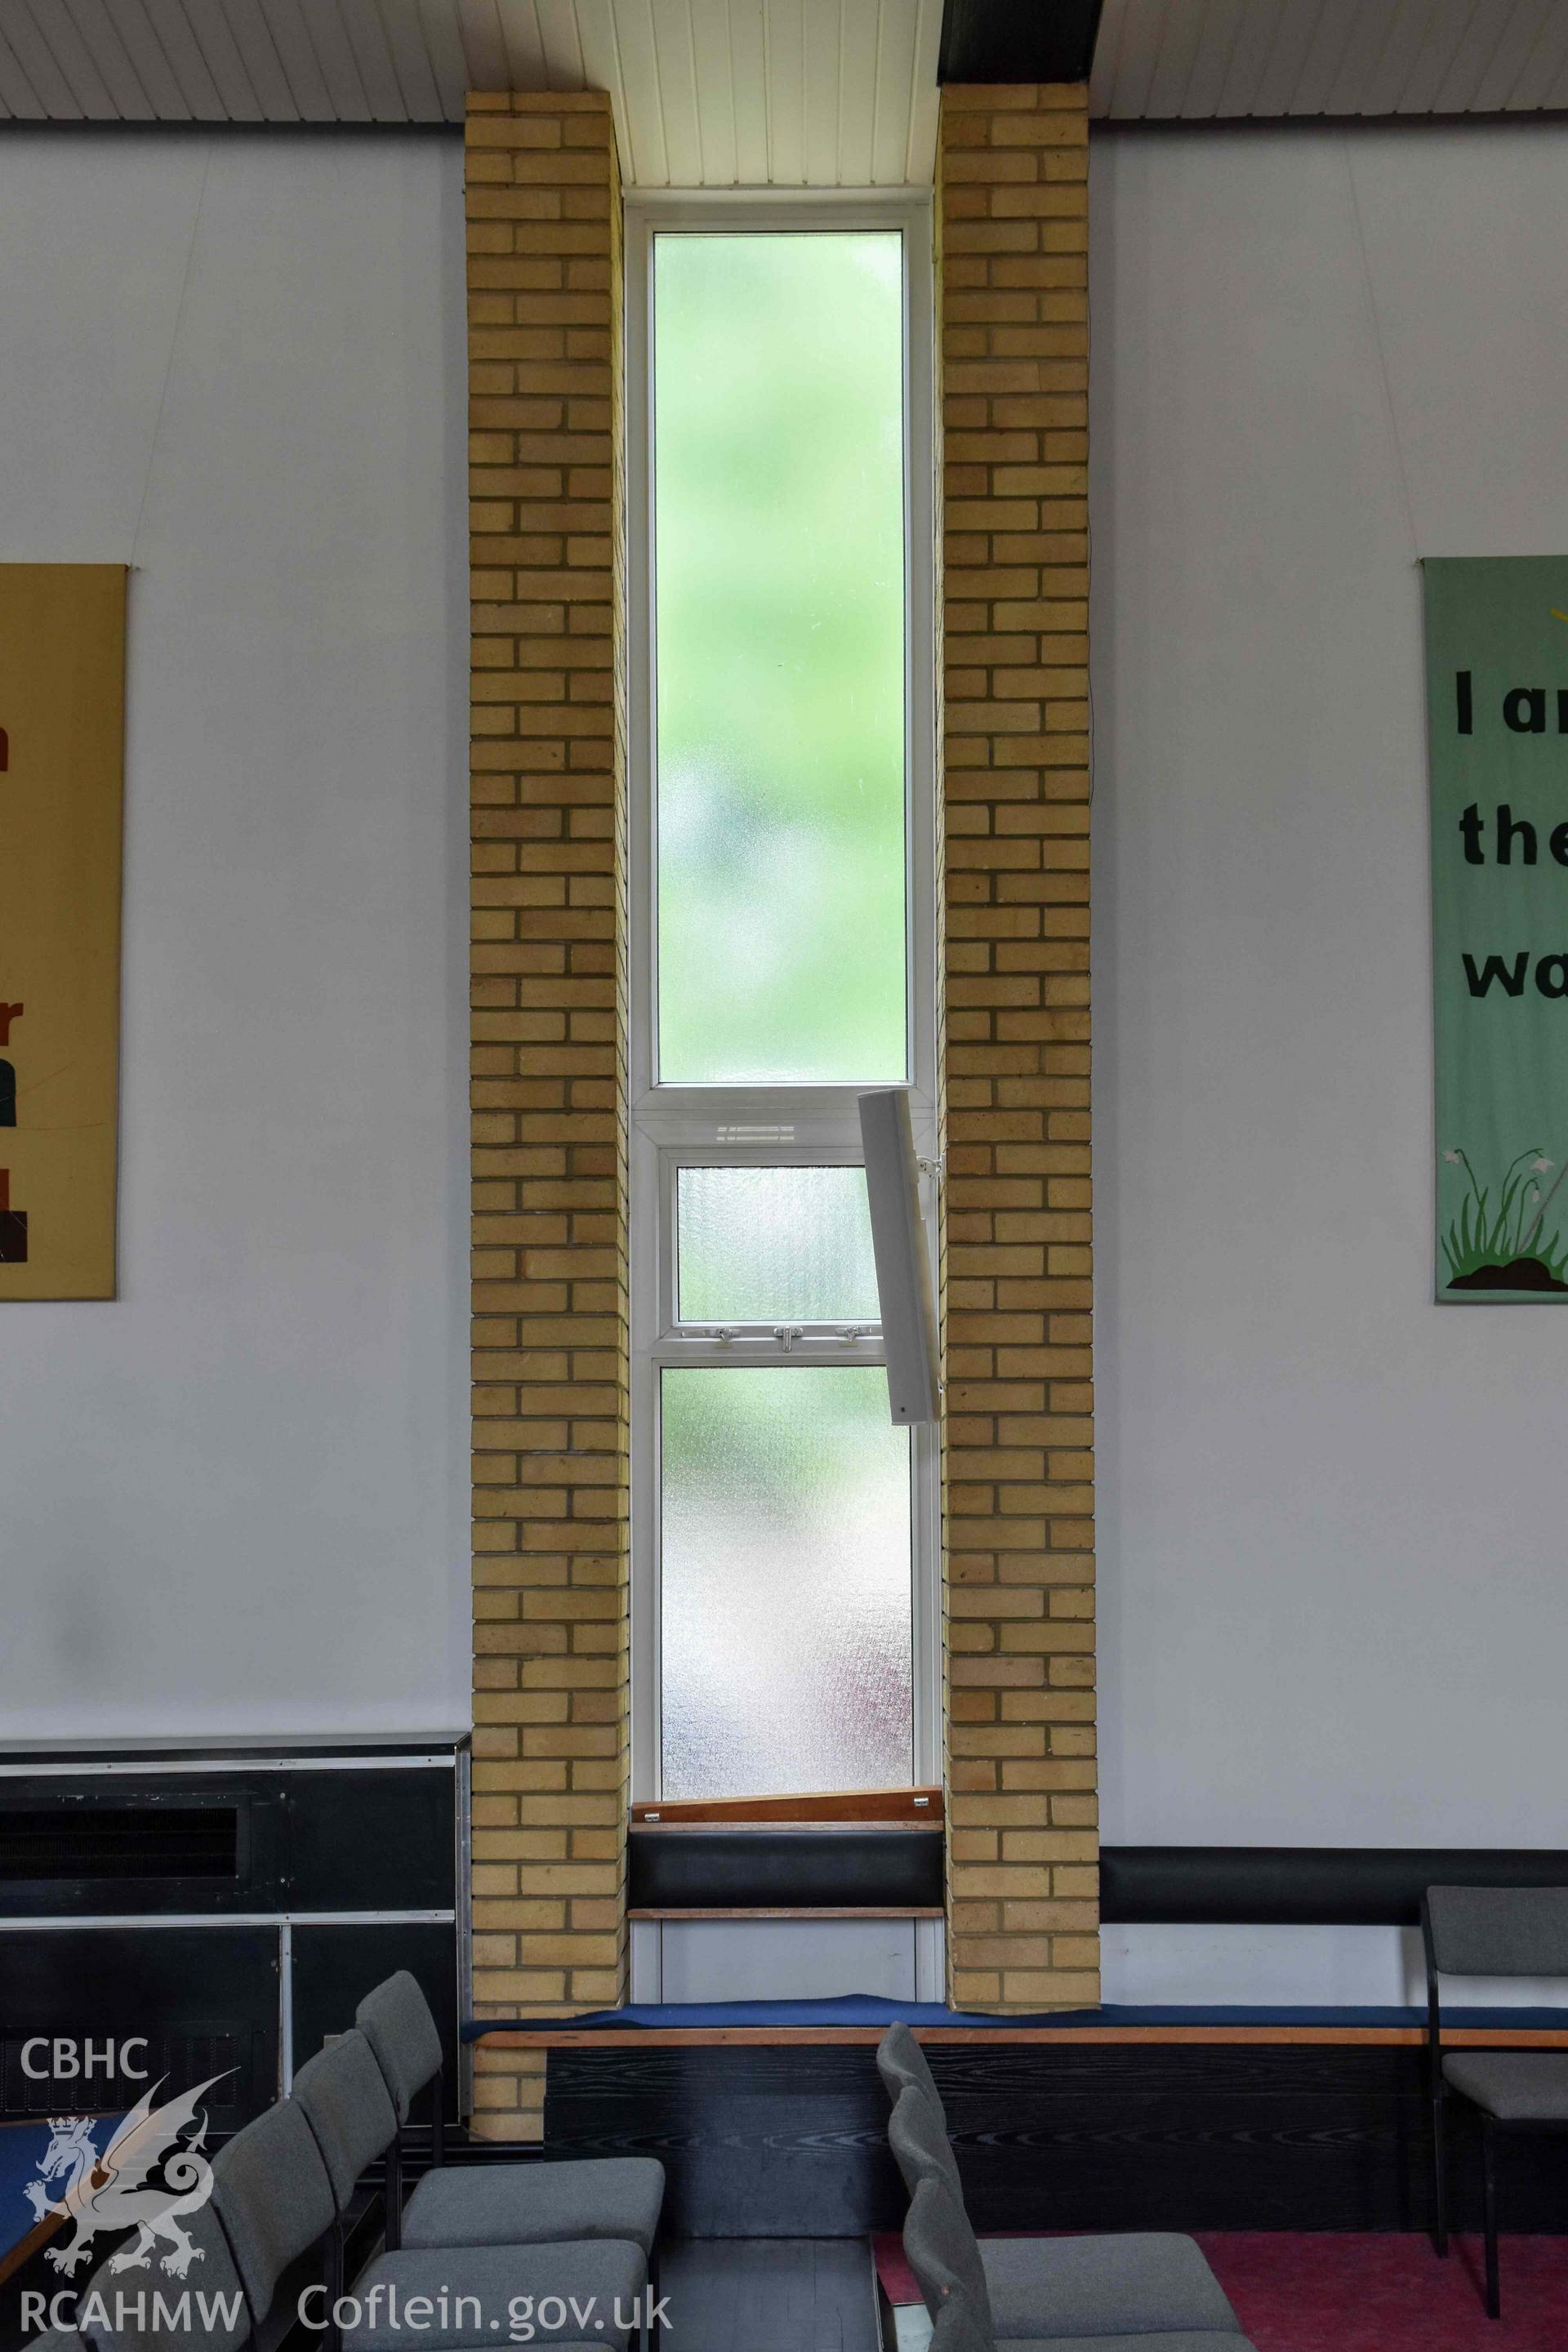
[497, 2204]
[273, 2198]
[344, 2097]
[959, 2327]
[921, 2144]
[1139, 2284]
[941, 2249]
[1491, 1931]
[396, 2021]
[901, 2063]
[212, 2275]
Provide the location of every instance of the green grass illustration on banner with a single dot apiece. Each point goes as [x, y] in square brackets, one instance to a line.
[1495, 1248]
[1497, 710]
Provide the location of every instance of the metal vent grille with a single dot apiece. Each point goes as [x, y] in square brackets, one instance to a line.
[117, 1842]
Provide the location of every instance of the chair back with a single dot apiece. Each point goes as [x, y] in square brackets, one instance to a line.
[349, 2108]
[1497, 1931]
[273, 2198]
[396, 2021]
[151, 2302]
[960, 2327]
[902, 2064]
[942, 2251]
[920, 2144]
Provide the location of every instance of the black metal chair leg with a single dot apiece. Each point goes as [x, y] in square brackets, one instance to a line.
[394, 2193]
[334, 2268]
[1440, 2176]
[1488, 2183]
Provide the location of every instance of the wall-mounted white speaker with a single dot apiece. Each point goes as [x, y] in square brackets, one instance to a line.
[903, 1260]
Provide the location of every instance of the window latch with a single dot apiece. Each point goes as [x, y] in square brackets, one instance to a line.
[850, 1332]
[787, 1334]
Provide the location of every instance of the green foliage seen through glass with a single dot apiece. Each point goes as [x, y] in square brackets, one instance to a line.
[778, 453]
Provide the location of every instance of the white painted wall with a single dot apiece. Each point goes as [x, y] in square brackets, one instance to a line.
[1334, 1538]
[232, 1502]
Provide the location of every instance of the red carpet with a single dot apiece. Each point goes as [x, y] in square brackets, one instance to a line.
[1327, 2291]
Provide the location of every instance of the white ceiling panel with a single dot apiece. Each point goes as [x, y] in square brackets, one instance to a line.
[744, 26]
[748, 93]
[896, 32]
[221, 55]
[295, 51]
[411, 60]
[675, 53]
[95, 29]
[48, 33]
[372, 58]
[822, 28]
[260, 58]
[155, 71]
[444, 42]
[1386, 80]
[786, 92]
[169, 29]
[17, 96]
[1173, 74]
[1275, 60]
[713, 53]
[1218, 26]
[1542, 63]
[920, 154]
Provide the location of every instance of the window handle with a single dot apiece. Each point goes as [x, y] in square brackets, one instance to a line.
[787, 1334]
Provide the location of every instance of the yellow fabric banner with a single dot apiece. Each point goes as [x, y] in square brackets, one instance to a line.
[62, 752]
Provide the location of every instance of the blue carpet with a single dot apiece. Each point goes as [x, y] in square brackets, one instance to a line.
[22, 2148]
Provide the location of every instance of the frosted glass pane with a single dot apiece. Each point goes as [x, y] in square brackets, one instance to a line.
[774, 1246]
[785, 1631]
[778, 469]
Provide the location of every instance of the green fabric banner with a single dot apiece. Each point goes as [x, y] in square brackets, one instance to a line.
[1497, 714]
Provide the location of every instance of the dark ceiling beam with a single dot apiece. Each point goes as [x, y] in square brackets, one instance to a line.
[1018, 40]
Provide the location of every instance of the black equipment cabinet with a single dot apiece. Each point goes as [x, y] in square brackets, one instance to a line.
[223, 1914]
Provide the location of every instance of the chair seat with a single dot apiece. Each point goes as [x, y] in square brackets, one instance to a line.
[600, 2275]
[533, 2204]
[1108, 2288]
[1517, 2086]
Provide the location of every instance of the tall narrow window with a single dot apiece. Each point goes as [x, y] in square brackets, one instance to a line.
[779, 531]
[783, 956]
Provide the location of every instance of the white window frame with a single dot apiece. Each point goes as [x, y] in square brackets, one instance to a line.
[766, 1126]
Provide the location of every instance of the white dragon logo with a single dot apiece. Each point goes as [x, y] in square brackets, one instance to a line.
[116, 2190]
